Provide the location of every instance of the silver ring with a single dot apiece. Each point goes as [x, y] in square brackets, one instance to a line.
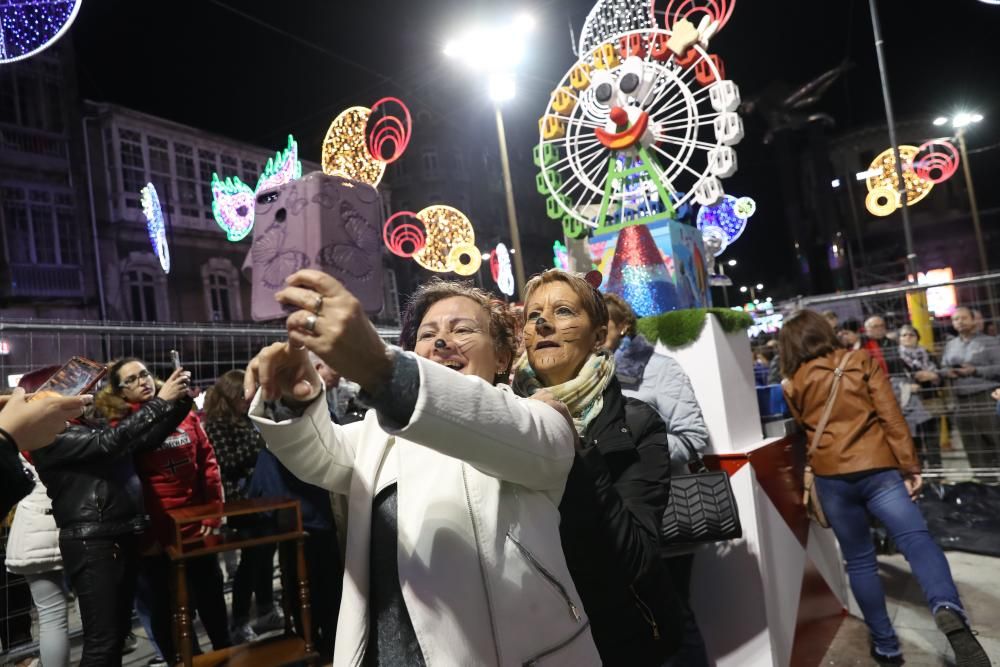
[311, 323]
[319, 305]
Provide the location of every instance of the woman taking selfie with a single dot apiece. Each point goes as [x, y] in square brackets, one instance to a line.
[619, 485]
[178, 471]
[97, 504]
[453, 483]
[865, 464]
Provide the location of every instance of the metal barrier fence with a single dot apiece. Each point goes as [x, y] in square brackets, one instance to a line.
[207, 350]
[954, 422]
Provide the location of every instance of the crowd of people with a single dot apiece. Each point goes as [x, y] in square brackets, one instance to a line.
[492, 495]
[960, 383]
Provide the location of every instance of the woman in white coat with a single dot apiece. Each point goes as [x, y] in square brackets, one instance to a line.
[33, 551]
[453, 484]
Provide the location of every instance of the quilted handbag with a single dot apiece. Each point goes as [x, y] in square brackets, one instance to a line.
[702, 507]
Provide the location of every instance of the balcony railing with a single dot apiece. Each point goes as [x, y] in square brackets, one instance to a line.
[32, 142]
[46, 280]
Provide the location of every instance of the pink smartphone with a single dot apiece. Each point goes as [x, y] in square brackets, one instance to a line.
[322, 222]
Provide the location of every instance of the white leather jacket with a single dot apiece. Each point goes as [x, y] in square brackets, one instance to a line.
[480, 476]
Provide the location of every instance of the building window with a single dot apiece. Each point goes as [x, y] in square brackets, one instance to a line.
[8, 101]
[159, 171]
[229, 165]
[221, 282]
[459, 162]
[206, 167]
[187, 186]
[141, 288]
[250, 173]
[430, 161]
[41, 227]
[133, 166]
[144, 286]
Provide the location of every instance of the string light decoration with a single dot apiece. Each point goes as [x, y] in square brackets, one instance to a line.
[613, 17]
[154, 225]
[444, 228]
[640, 127]
[560, 256]
[439, 238]
[282, 168]
[725, 221]
[388, 131]
[233, 206]
[28, 27]
[233, 201]
[500, 269]
[465, 259]
[709, 15]
[360, 141]
[345, 152]
[934, 161]
[404, 239]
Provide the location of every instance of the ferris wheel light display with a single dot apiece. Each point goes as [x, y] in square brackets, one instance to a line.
[29, 27]
[154, 225]
[640, 126]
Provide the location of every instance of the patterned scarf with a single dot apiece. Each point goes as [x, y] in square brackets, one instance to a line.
[916, 358]
[583, 395]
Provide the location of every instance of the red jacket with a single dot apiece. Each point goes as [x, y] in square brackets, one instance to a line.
[180, 472]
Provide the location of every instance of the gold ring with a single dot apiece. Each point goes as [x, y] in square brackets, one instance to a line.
[311, 323]
[319, 305]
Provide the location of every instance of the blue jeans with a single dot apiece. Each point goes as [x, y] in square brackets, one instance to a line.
[847, 505]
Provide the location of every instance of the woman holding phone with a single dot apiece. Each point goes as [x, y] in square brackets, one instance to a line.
[97, 504]
[178, 471]
[453, 483]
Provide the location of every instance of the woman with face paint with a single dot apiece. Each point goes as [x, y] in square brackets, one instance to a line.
[453, 554]
[618, 487]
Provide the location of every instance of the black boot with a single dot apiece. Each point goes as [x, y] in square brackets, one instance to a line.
[968, 651]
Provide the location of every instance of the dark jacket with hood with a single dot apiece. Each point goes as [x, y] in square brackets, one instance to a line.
[89, 474]
[611, 511]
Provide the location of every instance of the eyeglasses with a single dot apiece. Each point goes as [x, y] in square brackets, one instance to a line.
[132, 379]
[907, 333]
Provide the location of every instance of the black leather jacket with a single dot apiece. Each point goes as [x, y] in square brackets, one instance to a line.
[89, 474]
[611, 512]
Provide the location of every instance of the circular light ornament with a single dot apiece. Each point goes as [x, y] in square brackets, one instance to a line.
[445, 227]
[936, 161]
[885, 166]
[465, 259]
[154, 225]
[744, 207]
[404, 239]
[882, 201]
[29, 27]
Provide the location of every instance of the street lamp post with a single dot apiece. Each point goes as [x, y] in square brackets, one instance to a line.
[508, 185]
[497, 51]
[959, 122]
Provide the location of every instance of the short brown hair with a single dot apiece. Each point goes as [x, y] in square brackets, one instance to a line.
[223, 399]
[591, 300]
[621, 313]
[503, 325]
[804, 336]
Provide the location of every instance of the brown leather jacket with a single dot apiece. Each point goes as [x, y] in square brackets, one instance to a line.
[866, 430]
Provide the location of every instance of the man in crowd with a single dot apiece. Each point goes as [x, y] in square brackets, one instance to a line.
[972, 361]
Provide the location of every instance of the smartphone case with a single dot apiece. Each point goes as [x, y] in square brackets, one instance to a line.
[328, 223]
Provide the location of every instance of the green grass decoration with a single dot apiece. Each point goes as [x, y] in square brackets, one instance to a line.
[682, 327]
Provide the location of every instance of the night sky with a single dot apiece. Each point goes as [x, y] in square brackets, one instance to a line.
[256, 70]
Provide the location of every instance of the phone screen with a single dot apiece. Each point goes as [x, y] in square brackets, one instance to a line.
[76, 377]
[175, 359]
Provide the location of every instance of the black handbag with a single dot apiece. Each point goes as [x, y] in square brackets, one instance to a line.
[701, 508]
